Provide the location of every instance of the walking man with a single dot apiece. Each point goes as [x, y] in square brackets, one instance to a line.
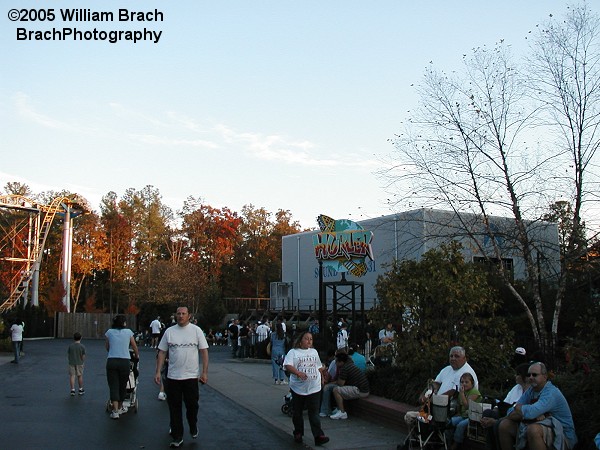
[183, 342]
[156, 326]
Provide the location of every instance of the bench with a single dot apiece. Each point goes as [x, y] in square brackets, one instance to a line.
[382, 410]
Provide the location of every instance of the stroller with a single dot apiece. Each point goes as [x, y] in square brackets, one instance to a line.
[131, 398]
[430, 426]
[286, 408]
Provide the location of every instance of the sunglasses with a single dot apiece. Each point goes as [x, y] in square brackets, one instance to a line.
[533, 374]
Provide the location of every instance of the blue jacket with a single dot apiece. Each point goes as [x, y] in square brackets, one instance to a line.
[550, 401]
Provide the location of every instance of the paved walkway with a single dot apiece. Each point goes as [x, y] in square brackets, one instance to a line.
[240, 407]
[250, 385]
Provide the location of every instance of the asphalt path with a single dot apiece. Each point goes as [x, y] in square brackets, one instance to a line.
[37, 411]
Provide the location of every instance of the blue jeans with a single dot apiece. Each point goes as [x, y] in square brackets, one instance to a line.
[460, 427]
[278, 372]
[17, 349]
[311, 402]
[326, 398]
[181, 392]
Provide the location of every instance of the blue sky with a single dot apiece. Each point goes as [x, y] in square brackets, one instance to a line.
[278, 104]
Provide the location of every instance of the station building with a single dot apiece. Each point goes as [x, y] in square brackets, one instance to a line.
[408, 235]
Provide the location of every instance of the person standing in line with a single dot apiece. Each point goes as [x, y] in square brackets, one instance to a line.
[118, 340]
[76, 355]
[184, 342]
[277, 353]
[342, 336]
[304, 365]
[243, 340]
[234, 331]
[16, 336]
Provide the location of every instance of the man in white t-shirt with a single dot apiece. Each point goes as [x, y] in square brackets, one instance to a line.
[155, 328]
[262, 331]
[183, 342]
[448, 380]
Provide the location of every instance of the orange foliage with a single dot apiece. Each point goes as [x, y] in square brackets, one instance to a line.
[54, 301]
[132, 308]
[90, 305]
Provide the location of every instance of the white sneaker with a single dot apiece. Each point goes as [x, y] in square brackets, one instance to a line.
[283, 382]
[323, 414]
[339, 415]
[335, 411]
[123, 410]
[114, 415]
[162, 396]
[277, 382]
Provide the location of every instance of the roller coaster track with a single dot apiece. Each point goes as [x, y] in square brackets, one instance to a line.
[37, 249]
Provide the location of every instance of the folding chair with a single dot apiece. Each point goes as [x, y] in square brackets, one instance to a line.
[430, 432]
[475, 431]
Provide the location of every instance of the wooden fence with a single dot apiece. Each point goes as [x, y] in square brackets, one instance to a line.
[90, 325]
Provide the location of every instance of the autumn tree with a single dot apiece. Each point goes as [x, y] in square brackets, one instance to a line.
[259, 256]
[90, 252]
[504, 139]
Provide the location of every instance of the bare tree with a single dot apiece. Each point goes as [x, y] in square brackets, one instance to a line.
[484, 143]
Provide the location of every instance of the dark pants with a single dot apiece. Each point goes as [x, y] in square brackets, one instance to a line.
[312, 402]
[243, 348]
[117, 374]
[179, 392]
[234, 346]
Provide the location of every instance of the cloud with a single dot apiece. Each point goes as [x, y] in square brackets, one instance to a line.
[279, 148]
[24, 109]
[152, 139]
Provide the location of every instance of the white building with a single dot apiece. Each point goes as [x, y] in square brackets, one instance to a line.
[409, 235]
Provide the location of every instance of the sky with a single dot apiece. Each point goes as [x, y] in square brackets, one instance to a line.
[279, 104]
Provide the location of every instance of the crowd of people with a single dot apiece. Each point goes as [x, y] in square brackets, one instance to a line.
[534, 413]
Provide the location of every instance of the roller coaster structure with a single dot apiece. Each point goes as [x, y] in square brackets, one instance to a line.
[22, 243]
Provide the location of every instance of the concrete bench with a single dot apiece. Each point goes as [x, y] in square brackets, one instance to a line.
[382, 410]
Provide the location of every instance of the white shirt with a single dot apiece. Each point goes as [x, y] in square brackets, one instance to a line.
[307, 361]
[16, 332]
[183, 344]
[342, 339]
[262, 332]
[450, 378]
[385, 333]
[514, 395]
[156, 326]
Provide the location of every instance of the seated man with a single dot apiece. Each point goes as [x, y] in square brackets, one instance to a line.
[359, 360]
[352, 383]
[447, 380]
[541, 418]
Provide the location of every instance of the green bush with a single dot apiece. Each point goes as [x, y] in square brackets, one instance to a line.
[437, 303]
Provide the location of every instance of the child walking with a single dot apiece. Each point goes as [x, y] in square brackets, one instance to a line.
[76, 352]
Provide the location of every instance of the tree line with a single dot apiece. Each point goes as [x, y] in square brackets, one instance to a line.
[138, 253]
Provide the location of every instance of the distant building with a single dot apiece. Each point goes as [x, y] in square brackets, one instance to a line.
[409, 235]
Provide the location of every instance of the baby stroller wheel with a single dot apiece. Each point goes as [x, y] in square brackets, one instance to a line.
[285, 409]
